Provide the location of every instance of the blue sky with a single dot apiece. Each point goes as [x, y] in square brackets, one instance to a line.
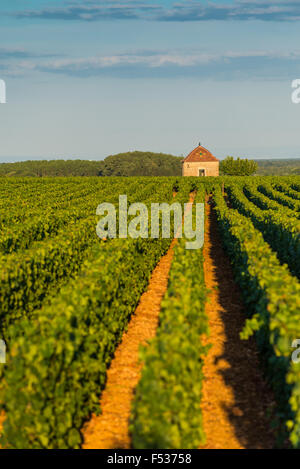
[91, 78]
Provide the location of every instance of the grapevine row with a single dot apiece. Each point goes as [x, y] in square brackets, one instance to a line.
[272, 296]
[282, 233]
[62, 353]
[162, 417]
[279, 197]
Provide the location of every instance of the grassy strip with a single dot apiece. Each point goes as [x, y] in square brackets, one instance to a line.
[166, 411]
[272, 295]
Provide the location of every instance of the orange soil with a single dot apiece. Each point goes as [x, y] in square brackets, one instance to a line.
[110, 430]
[236, 400]
[2, 418]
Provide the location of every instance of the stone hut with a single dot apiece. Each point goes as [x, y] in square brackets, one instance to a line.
[200, 162]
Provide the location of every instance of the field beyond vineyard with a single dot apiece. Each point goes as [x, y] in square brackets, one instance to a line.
[142, 343]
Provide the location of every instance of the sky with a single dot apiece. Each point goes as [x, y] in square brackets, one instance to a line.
[86, 79]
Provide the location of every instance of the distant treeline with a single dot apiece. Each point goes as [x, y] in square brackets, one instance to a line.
[278, 167]
[137, 163]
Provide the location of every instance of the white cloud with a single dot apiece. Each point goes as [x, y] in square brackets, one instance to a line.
[170, 64]
[189, 10]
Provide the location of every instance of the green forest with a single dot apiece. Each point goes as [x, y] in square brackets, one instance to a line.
[137, 163]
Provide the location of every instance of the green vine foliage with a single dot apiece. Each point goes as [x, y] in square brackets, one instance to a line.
[166, 411]
[279, 230]
[57, 360]
[57, 364]
[272, 295]
[66, 297]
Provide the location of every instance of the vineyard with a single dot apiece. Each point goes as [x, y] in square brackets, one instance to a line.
[69, 301]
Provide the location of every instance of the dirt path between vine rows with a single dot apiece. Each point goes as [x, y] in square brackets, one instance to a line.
[110, 430]
[2, 418]
[236, 401]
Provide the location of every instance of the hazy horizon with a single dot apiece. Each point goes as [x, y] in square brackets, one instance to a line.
[28, 158]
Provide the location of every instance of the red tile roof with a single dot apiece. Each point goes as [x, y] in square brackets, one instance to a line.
[198, 155]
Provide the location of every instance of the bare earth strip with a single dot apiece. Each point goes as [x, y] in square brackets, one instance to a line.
[236, 400]
[110, 430]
